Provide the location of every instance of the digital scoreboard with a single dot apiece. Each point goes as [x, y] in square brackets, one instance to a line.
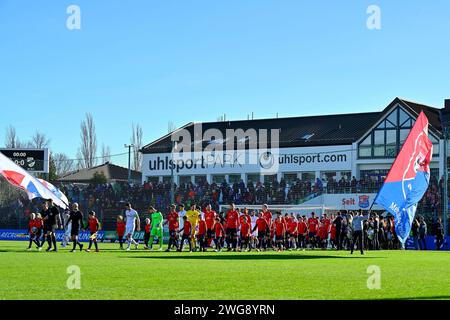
[32, 160]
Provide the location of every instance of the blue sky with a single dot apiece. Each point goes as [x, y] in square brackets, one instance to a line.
[151, 62]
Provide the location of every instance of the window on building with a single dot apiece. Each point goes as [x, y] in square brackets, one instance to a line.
[234, 178]
[290, 177]
[167, 179]
[347, 175]
[200, 179]
[253, 177]
[185, 179]
[387, 139]
[153, 180]
[309, 176]
[219, 179]
[328, 175]
[270, 178]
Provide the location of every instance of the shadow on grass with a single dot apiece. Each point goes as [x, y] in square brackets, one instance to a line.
[243, 256]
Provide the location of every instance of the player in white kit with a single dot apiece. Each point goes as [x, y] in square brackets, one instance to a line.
[131, 217]
[254, 235]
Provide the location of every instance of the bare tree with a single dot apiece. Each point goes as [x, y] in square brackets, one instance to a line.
[39, 141]
[88, 149]
[106, 154]
[63, 164]
[136, 140]
[11, 138]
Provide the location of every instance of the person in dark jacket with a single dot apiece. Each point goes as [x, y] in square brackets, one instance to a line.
[439, 233]
[422, 234]
[415, 233]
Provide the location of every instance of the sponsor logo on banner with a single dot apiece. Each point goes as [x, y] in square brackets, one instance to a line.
[364, 201]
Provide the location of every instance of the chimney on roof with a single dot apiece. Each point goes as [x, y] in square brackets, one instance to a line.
[447, 104]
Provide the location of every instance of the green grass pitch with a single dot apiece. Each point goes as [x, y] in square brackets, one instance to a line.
[115, 274]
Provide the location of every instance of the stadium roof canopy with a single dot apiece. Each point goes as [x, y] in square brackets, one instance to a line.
[325, 130]
[112, 173]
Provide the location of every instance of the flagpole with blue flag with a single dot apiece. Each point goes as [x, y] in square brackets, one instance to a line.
[408, 179]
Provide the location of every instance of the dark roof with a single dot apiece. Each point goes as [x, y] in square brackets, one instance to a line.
[111, 172]
[338, 129]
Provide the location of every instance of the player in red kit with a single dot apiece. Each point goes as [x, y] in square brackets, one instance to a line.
[120, 230]
[243, 218]
[261, 226]
[210, 219]
[280, 230]
[172, 220]
[313, 225]
[232, 219]
[245, 235]
[219, 232]
[201, 234]
[94, 227]
[267, 215]
[187, 228]
[302, 230]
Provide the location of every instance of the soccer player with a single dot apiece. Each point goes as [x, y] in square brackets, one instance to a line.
[210, 219]
[243, 218]
[94, 228]
[186, 234]
[279, 227]
[54, 220]
[147, 232]
[261, 226]
[201, 234]
[172, 220]
[49, 225]
[302, 229]
[76, 218]
[254, 234]
[219, 233]
[39, 224]
[232, 226]
[267, 215]
[245, 234]
[120, 230]
[192, 216]
[157, 228]
[132, 222]
[32, 231]
[313, 224]
[292, 233]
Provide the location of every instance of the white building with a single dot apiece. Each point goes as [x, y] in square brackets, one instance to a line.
[342, 145]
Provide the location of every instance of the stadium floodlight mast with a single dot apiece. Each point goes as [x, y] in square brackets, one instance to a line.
[129, 146]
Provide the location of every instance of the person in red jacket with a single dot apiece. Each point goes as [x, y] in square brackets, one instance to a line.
[201, 234]
[120, 230]
[94, 227]
[219, 232]
[280, 230]
[172, 220]
[302, 230]
[147, 230]
[322, 236]
[187, 227]
[232, 220]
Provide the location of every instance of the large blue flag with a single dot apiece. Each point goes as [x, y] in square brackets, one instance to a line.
[408, 178]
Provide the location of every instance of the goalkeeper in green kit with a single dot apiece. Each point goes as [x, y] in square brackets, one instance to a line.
[157, 227]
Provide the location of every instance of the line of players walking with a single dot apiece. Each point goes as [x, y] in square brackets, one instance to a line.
[244, 230]
[237, 230]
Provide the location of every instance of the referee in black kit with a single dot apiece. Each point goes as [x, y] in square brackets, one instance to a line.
[52, 218]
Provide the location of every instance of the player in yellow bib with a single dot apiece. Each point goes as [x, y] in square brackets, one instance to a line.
[192, 216]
